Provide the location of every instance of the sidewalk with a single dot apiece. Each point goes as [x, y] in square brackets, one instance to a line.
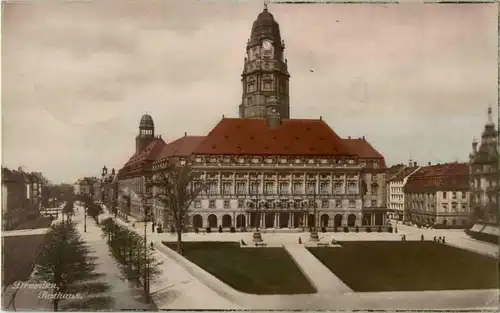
[127, 295]
[320, 276]
[175, 288]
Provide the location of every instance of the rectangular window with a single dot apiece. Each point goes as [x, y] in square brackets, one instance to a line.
[212, 188]
[267, 85]
[324, 204]
[311, 187]
[226, 188]
[324, 187]
[240, 188]
[284, 188]
[351, 188]
[197, 204]
[269, 188]
[251, 87]
[464, 195]
[254, 187]
[352, 204]
[444, 195]
[298, 188]
[337, 188]
[227, 204]
[454, 206]
[453, 195]
[241, 203]
[211, 204]
[374, 203]
[464, 207]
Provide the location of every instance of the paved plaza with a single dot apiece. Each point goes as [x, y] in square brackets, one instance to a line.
[188, 286]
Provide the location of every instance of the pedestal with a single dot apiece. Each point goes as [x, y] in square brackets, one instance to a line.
[313, 236]
[257, 237]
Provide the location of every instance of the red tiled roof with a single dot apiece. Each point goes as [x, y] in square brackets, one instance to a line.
[240, 136]
[183, 146]
[362, 148]
[441, 177]
[403, 173]
[137, 162]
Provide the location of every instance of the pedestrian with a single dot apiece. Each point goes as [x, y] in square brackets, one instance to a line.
[422, 237]
[439, 240]
[435, 239]
[300, 241]
[443, 240]
[404, 237]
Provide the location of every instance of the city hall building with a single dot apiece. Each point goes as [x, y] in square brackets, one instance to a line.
[265, 168]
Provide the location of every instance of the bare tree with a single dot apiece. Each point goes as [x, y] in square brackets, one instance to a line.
[176, 187]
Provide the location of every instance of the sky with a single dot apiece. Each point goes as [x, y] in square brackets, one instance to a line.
[415, 80]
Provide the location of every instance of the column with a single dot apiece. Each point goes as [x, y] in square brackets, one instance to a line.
[276, 188]
[290, 189]
[262, 220]
[219, 188]
[261, 184]
[276, 216]
[332, 190]
[234, 183]
[373, 218]
[290, 216]
[317, 184]
[247, 220]
[248, 184]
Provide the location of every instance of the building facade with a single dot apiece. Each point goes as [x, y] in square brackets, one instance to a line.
[21, 196]
[484, 176]
[132, 177]
[438, 196]
[396, 205]
[266, 168]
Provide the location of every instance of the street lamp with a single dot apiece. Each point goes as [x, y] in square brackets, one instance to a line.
[103, 175]
[313, 236]
[257, 236]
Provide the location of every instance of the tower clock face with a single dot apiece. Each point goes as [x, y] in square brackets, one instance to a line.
[267, 45]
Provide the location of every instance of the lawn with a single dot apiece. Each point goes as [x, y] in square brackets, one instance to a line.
[19, 255]
[408, 266]
[250, 270]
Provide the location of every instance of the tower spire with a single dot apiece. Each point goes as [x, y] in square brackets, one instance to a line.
[490, 115]
[266, 2]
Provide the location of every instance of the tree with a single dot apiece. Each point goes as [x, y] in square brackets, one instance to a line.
[129, 249]
[68, 209]
[66, 263]
[175, 188]
[94, 210]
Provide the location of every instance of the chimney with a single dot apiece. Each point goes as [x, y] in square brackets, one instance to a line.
[320, 118]
[349, 137]
[429, 163]
[185, 134]
[222, 115]
[415, 164]
[363, 137]
[474, 146]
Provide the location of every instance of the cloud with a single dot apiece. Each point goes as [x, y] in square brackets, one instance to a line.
[77, 76]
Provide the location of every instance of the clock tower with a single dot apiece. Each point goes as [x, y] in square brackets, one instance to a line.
[265, 74]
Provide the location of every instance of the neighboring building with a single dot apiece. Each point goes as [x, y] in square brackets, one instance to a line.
[265, 168]
[133, 175]
[437, 195]
[396, 205]
[88, 187]
[484, 181]
[21, 196]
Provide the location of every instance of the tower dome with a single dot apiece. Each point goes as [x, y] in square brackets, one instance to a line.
[265, 27]
[146, 121]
